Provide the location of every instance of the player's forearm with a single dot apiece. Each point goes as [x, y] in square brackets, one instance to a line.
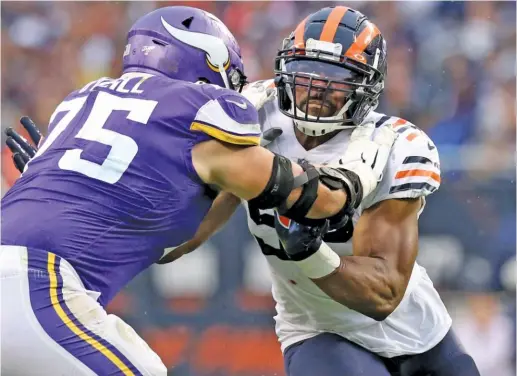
[364, 284]
[220, 212]
[373, 281]
[248, 172]
[183, 249]
[328, 203]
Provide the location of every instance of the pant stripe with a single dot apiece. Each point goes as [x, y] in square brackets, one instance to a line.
[62, 326]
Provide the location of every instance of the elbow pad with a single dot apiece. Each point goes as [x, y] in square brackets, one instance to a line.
[280, 185]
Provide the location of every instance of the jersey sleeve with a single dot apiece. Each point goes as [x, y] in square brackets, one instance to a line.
[413, 169]
[229, 117]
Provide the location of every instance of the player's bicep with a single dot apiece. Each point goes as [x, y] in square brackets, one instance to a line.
[220, 212]
[243, 171]
[389, 230]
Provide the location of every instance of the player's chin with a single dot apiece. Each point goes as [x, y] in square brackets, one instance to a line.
[320, 110]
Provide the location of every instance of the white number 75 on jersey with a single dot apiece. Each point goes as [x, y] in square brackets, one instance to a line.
[123, 148]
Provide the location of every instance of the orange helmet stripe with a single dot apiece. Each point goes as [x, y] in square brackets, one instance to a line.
[363, 40]
[329, 29]
[298, 34]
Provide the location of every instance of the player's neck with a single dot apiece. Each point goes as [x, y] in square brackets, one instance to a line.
[310, 142]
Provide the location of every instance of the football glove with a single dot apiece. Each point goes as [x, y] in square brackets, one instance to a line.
[361, 167]
[22, 149]
[299, 241]
[259, 94]
[305, 246]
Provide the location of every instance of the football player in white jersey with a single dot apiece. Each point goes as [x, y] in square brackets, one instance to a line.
[375, 311]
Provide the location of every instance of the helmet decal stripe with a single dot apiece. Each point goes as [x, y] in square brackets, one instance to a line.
[215, 48]
[298, 34]
[330, 28]
[363, 40]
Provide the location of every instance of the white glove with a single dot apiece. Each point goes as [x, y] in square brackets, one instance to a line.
[368, 153]
[259, 94]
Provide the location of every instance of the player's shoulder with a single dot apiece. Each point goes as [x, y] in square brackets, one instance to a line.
[411, 140]
[413, 169]
[207, 110]
[222, 113]
[217, 99]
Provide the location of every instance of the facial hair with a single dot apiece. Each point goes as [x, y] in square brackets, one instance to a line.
[329, 111]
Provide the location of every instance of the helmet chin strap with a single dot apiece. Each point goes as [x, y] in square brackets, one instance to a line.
[313, 129]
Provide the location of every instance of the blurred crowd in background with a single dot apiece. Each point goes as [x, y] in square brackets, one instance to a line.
[451, 71]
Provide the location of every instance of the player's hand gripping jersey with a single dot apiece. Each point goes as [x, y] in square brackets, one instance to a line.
[303, 310]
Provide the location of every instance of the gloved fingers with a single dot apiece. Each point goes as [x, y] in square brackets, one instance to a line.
[33, 130]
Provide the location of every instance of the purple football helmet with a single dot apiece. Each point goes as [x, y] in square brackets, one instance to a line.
[186, 44]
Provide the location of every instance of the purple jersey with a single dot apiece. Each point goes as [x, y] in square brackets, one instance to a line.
[113, 185]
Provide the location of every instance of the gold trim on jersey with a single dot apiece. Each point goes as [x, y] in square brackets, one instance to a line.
[223, 135]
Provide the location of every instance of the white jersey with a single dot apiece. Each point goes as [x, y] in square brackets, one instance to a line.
[303, 310]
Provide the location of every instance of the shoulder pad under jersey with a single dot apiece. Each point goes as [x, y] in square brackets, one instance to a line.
[227, 116]
[413, 168]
